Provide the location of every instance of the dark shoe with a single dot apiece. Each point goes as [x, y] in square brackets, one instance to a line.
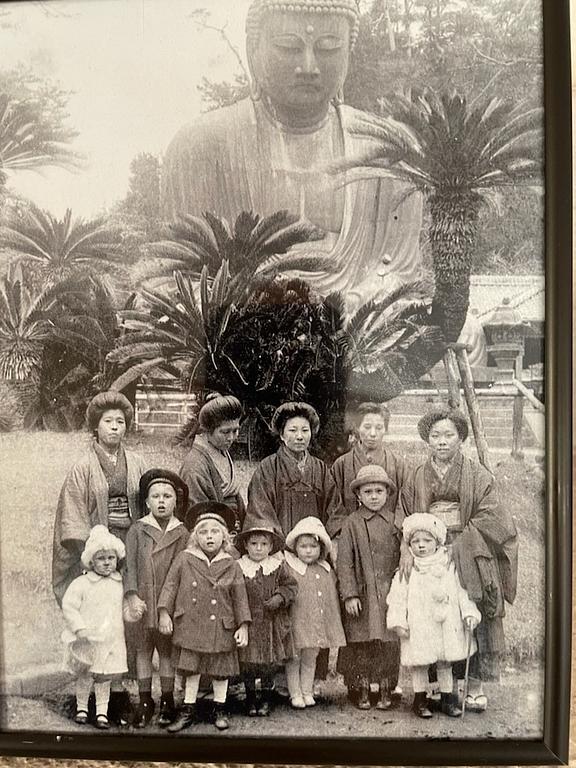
[102, 722]
[186, 717]
[384, 700]
[145, 712]
[81, 717]
[449, 705]
[120, 709]
[167, 712]
[251, 705]
[364, 695]
[420, 706]
[220, 719]
[264, 705]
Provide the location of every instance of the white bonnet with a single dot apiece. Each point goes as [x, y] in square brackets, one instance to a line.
[100, 538]
[311, 526]
[424, 521]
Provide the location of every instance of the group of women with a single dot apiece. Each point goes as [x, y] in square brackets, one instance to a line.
[292, 484]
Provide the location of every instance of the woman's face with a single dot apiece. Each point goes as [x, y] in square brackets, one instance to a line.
[224, 435]
[371, 431]
[444, 440]
[296, 434]
[111, 428]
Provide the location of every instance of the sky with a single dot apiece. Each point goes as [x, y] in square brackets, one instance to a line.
[133, 67]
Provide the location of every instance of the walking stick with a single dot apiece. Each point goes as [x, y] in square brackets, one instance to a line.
[467, 671]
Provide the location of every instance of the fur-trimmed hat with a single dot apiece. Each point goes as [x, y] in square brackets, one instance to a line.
[424, 521]
[309, 526]
[157, 475]
[100, 539]
[210, 510]
[371, 473]
[439, 414]
[269, 530]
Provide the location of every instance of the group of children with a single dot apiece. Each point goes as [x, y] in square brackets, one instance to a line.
[216, 608]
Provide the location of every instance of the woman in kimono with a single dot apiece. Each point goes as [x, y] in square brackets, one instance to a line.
[481, 534]
[370, 426]
[208, 469]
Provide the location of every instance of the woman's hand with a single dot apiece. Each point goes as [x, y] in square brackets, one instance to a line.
[241, 636]
[353, 606]
[406, 561]
[402, 632]
[165, 625]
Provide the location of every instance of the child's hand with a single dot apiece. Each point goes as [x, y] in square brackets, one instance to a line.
[353, 606]
[137, 606]
[470, 622]
[402, 632]
[241, 636]
[165, 625]
[274, 603]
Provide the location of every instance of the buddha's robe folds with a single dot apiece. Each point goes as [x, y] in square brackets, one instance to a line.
[238, 159]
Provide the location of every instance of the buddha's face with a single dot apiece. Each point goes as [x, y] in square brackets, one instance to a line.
[301, 60]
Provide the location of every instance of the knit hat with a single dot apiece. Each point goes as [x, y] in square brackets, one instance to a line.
[210, 510]
[254, 528]
[101, 539]
[371, 473]
[310, 526]
[424, 521]
[158, 475]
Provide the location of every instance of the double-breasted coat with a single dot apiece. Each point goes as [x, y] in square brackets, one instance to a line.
[207, 601]
[150, 551]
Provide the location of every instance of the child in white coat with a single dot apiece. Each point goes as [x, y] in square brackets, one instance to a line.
[431, 612]
[92, 608]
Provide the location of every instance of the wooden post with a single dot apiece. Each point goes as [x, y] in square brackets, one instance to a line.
[451, 368]
[517, 414]
[473, 407]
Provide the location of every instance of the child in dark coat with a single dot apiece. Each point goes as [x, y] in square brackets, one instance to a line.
[204, 606]
[151, 547]
[368, 556]
[271, 590]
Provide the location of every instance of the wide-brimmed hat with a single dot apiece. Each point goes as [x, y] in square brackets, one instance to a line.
[371, 473]
[101, 539]
[309, 526]
[210, 510]
[158, 475]
[424, 521]
[247, 531]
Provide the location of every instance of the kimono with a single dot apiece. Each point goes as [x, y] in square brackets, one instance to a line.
[150, 552]
[368, 556]
[280, 494]
[345, 469]
[484, 543]
[270, 639]
[83, 503]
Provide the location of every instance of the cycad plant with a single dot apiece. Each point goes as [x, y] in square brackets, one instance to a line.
[456, 153]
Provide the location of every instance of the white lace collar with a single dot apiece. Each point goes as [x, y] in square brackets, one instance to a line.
[153, 523]
[197, 552]
[268, 565]
[94, 577]
[301, 567]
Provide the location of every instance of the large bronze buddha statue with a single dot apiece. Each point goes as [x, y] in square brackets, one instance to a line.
[275, 151]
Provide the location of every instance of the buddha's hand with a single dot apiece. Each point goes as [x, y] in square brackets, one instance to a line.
[165, 625]
[402, 632]
[241, 636]
[353, 606]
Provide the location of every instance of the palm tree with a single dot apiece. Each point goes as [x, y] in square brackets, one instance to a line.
[457, 154]
[61, 248]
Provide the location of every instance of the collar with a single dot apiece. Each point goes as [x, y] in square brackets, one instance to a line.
[438, 559]
[153, 523]
[384, 513]
[197, 552]
[301, 567]
[94, 577]
[442, 471]
[268, 565]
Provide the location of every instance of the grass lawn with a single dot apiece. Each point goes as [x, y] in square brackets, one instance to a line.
[34, 466]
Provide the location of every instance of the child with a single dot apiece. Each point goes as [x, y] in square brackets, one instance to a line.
[271, 590]
[151, 547]
[92, 608]
[431, 612]
[204, 605]
[368, 556]
[315, 612]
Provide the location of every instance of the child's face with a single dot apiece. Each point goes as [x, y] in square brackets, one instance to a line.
[308, 549]
[422, 544]
[161, 500]
[258, 546]
[210, 537]
[105, 562]
[373, 496]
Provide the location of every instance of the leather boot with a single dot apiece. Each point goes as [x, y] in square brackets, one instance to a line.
[364, 697]
[420, 706]
[167, 712]
[449, 705]
[384, 700]
[220, 719]
[264, 705]
[120, 709]
[185, 718]
[145, 711]
[251, 705]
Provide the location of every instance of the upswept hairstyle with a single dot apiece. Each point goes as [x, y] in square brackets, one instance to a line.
[429, 419]
[218, 409]
[108, 401]
[292, 410]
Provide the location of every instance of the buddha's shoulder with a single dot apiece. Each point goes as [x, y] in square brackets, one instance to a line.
[212, 129]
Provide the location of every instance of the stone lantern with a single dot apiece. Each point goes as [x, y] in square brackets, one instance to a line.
[505, 333]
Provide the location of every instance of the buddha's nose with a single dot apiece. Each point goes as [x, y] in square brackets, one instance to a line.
[309, 64]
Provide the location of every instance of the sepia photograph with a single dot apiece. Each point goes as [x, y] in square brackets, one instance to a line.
[273, 371]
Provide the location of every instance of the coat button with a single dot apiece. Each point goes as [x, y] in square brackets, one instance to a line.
[213, 602]
[194, 583]
[319, 594]
[194, 600]
[212, 618]
[317, 575]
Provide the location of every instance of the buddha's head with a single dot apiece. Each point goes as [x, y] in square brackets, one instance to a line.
[298, 53]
